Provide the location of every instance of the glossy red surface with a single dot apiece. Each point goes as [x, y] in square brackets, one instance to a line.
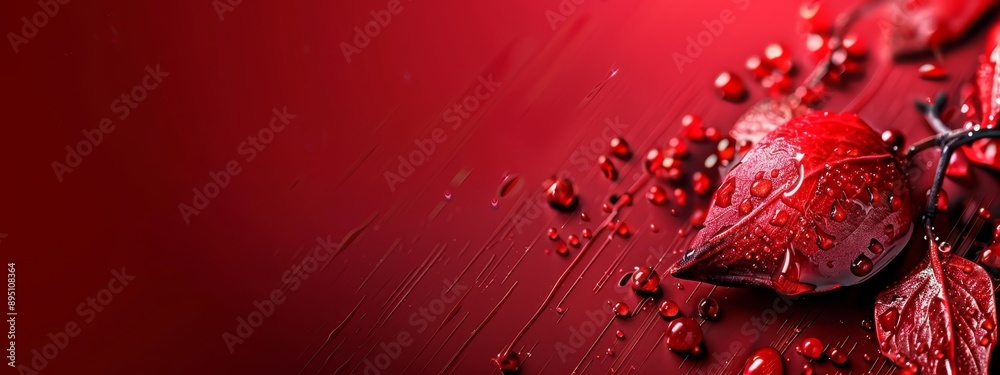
[361, 193]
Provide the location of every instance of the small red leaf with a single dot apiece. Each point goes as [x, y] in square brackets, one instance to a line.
[819, 203]
[916, 26]
[941, 318]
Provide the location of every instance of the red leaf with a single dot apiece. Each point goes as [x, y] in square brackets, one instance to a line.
[987, 98]
[941, 318]
[764, 117]
[819, 203]
[919, 25]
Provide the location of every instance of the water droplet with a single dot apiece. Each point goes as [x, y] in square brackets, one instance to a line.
[611, 353]
[607, 207]
[989, 325]
[552, 234]
[893, 139]
[760, 188]
[683, 334]
[561, 194]
[776, 56]
[713, 134]
[724, 197]
[708, 308]
[889, 319]
[620, 334]
[757, 68]
[509, 184]
[692, 127]
[623, 230]
[680, 196]
[875, 247]
[621, 310]
[701, 183]
[730, 87]
[837, 356]
[657, 195]
[560, 310]
[985, 341]
[811, 348]
[984, 213]
[620, 149]
[669, 309]
[932, 71]
[561, 248]
[447, 196]
[780, 218]
[867, 324]
[824, 240]
[676, 147]
[764, 361]
[861, 265]
[726, 150]
[584, 217]
[508, 363]
[607, 168]
[495, 203]
[746, 206]
[807, 369]
[838, 212]
[573, 240]
[586, 233]
[645, 280]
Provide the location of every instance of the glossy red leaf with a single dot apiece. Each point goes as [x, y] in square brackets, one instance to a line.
[941, 318]
[764, 117]
[987, 98]
[819, 203]
[919, 25]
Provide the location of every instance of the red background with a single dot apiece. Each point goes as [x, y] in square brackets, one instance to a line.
[324, 175]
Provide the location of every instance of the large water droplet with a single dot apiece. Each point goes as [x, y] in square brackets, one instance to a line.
[669, 309]
[780, 218]
[730, 87]
[620, 149]
[861, 265]
[724, 197]
[561, 194]
[875, 247]
[645, 280]
[824, 240]
[889, 319]
[683, 334]
[708, 308]
[657, 195]
[607, 168]
[764, 361]
[811, 348]
[701, 183]
[761, 188]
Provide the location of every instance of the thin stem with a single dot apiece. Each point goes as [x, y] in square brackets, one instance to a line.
[951, 142]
